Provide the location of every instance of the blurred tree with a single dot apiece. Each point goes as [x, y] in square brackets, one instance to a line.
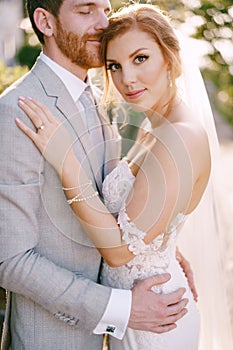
[27, 55]
[9, 74]
[217, 29]
[212, 22]
[29, 51]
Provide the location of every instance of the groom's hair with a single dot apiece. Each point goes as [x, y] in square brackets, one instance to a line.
[52, 6]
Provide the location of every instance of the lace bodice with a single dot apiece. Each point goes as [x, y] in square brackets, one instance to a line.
[149, 258]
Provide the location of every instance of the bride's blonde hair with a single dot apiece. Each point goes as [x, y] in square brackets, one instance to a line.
[153, 21]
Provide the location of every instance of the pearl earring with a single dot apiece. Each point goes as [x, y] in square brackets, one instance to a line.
[169, 79]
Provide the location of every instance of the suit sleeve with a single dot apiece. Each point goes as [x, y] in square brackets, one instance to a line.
[70, 297]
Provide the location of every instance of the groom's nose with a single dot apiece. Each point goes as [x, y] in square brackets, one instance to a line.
[102, 21]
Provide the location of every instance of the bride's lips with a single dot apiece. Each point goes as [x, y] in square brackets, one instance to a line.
[135, 94]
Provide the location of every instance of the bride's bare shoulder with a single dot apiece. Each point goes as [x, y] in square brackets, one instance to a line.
[188, 127]
[193, 135]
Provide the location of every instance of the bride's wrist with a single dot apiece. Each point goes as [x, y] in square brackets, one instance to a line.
[69, 165]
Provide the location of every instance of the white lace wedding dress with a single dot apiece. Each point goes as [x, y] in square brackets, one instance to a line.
[157, 257]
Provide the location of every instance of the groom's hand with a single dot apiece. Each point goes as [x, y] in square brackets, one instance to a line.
[153, 312]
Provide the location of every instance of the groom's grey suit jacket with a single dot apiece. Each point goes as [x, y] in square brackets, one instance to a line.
[48, 263]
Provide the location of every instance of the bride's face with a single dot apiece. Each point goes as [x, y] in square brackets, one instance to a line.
[138, 69]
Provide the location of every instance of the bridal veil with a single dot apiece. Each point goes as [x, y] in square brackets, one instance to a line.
[202, 238]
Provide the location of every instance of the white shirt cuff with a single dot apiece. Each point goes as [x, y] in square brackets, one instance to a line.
[116, 316]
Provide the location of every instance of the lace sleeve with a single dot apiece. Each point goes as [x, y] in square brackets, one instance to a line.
[116, 187]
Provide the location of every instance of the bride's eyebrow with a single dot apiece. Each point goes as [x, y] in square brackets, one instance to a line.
[131, 55]
[110, 60]
[138, 50]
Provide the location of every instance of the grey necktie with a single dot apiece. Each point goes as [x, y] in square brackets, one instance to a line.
[94, 125]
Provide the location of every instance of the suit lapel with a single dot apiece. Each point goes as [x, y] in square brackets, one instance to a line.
[69, 113]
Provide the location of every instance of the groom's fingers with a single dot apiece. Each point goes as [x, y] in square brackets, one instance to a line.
[174, 298]
[165, 328]
[155, 280]
[174, 318]
[176, 308]
[170, 322]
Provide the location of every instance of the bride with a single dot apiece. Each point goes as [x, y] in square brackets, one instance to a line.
[154, 190]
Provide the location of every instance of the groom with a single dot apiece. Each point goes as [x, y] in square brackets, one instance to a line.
[47, 263]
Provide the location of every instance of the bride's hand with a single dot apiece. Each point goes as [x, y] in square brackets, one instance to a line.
[51, 137]
[140, 149]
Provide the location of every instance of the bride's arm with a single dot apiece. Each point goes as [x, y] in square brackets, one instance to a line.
[54, 143]
[156, 183]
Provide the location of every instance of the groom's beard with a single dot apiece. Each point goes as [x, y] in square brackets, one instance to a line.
[75, 48]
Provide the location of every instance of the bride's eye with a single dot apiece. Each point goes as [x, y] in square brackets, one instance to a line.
[113, 67]
[140, 59]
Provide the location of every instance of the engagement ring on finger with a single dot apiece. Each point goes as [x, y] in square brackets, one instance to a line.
[41, 127]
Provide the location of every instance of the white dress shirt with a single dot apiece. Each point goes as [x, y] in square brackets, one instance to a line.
[116, 316]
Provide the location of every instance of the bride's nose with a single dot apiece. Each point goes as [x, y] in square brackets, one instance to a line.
[128, 76]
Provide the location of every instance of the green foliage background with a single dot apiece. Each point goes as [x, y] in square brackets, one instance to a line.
[217, 28]
[9, 74]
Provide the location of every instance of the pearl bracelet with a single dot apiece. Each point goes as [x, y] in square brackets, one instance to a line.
[87, 184]
[77, 198]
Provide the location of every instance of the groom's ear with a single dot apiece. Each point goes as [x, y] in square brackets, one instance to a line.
[44, 21]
